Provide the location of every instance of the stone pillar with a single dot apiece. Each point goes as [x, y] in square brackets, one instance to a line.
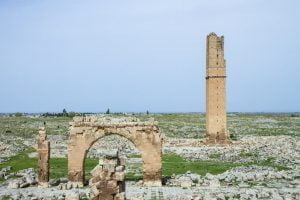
[76, 157]
[216, 122]
[108, 181]
[43, 158]
[152, 165]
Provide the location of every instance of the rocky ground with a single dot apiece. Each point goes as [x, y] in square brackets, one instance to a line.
[244, 182]
[234, 184]
[284, 150]
[10, 146]
[268, 167]
[163, 193]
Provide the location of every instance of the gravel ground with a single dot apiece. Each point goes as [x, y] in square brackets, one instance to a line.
[164, 193]
[238, 183]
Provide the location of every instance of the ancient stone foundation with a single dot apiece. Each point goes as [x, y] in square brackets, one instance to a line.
[216, 122]
[108, 181]
[43, 158]
[85, 131]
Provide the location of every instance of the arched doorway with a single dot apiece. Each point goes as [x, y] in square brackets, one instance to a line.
[85, 131]
[112, 145]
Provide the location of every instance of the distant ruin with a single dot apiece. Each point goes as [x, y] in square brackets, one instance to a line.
[216, 120]
[85, 131]
[43, 158]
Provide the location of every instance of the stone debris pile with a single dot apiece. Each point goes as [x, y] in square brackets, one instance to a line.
[10, 146]
[240, 176]
[108, 181]
[285, 150]
[256, 174]
[27, 178]
[186, 180]
[5, 174]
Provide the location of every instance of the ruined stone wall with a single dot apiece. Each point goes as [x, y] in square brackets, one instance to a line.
[43, 158]
[85, 131]
[216, 128]
[108, 181]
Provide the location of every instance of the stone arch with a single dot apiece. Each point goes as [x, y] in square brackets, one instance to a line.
[85, 131]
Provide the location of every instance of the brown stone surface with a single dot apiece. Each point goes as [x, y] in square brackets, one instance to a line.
[216, 122]
[43, 158]
[85, 131]
[108, 181]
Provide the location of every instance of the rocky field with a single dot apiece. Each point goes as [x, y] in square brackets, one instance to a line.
[262, 162]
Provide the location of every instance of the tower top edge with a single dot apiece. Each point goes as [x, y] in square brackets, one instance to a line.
[213, 34]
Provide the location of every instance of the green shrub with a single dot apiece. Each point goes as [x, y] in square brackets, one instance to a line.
[71, 114]
[18, 114]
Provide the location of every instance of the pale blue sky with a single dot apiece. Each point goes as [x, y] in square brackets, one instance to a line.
[136, 55]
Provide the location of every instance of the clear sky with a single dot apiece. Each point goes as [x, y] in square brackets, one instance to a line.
[138, 55]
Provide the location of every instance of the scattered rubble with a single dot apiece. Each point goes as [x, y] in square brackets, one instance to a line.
[245, 182]
[248, 149]
[240, 176]
[108, 181]
[27, 177]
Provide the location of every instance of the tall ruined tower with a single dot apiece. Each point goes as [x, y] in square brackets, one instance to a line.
[216, 122]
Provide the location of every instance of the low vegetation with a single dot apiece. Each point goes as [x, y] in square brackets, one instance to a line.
[172, 125]
[172, 164]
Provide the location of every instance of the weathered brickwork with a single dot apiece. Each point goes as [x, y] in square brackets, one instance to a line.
[108, 179]
[85, 131]
[43, 158]
[216, 122]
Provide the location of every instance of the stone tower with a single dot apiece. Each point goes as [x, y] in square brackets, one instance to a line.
[216, 128]
[43, 157]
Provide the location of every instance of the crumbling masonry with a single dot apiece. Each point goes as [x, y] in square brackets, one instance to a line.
[85, 131]
[108, 181]
[216, 128]
[43, 158]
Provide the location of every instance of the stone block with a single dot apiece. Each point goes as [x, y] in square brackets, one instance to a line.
[23, 185]
[120, 196]
[13, 184]
[120, 176]
[120, 168]
[110, 167]
[94, 191]
[112, 184]
[96, 171]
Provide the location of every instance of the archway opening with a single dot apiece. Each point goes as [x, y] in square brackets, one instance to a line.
[127, 151]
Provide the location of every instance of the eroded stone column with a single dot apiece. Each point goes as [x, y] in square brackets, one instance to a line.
[152, 175]
[76, 157]
[43, 158]
[152, 166]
